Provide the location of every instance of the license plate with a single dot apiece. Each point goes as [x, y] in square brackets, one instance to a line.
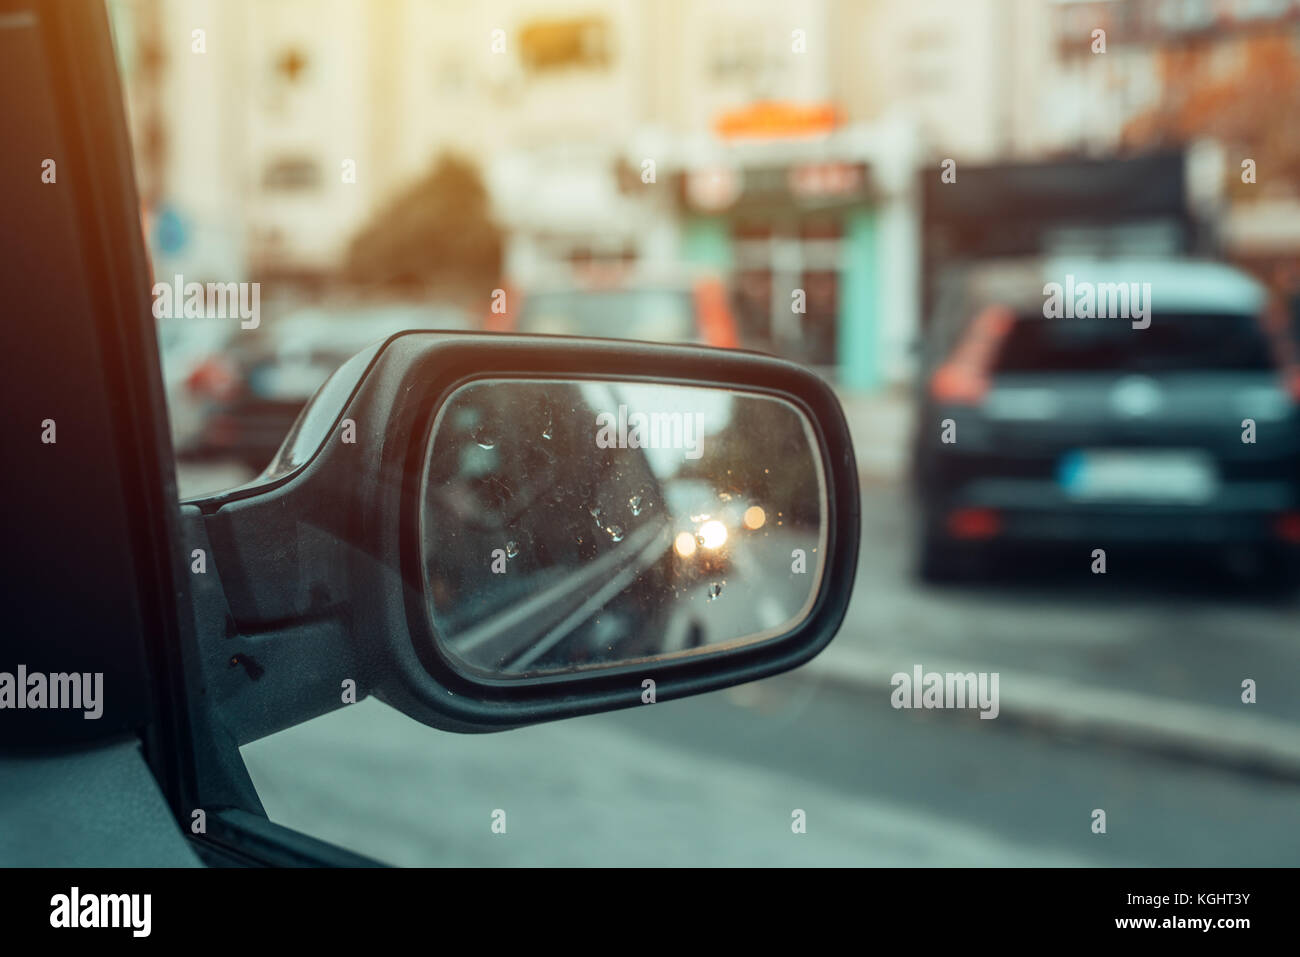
[1115, 475]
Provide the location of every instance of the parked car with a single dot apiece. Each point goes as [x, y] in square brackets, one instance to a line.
[253, 388]
[187, 348]
[1177, 428]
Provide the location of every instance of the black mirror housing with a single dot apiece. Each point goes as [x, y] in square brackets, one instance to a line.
[313, 575]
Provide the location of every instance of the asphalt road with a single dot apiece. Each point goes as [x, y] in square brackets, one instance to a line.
[1164, 626]
[715, 780]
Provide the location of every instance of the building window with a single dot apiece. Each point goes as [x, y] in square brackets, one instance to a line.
[547, 45]
[291, 173]
[291, 64]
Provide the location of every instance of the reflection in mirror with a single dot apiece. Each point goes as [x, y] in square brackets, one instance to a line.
[578, 524]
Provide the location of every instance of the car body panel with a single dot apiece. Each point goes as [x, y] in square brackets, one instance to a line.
[1087, 433]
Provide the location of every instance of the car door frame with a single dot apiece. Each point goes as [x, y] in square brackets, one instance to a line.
[88, 219]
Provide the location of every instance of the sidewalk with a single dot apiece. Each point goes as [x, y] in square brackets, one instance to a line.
[880, 424]
[1241, 741]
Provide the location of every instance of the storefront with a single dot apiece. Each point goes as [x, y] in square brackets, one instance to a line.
[795, 217]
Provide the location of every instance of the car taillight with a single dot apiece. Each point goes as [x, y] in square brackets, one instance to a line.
[972, 523]
[958, 384]
[213, 378]
[1293, 383]
[1287, 527]
[964, 378]
[716, 323]
[1275, 322]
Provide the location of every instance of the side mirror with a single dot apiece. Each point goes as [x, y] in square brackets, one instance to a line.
[491, 531]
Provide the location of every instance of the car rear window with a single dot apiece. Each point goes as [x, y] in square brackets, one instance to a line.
[657, 315]
[1196, 341]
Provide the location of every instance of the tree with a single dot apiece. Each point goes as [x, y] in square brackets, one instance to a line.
[437, 233]
[1248, 109]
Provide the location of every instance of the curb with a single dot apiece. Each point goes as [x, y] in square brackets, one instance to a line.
[1264, 746]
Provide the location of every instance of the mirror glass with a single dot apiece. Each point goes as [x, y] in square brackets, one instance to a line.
[582, 524]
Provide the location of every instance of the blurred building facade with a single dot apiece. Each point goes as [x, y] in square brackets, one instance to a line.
[776, 143]
[1187, 71]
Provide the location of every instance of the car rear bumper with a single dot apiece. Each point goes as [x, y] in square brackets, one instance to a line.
[1145, 527]
[1254, 513]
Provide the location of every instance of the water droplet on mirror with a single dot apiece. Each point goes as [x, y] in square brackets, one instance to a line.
[635, 503]
[512, 549]
[714, 591]
[548, 431]
[615, 532]
[484, 438]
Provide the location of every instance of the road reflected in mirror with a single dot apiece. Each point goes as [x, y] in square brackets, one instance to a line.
[582, 524]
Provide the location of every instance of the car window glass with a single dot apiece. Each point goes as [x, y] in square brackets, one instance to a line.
[1104, 518]
[1173, 341]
